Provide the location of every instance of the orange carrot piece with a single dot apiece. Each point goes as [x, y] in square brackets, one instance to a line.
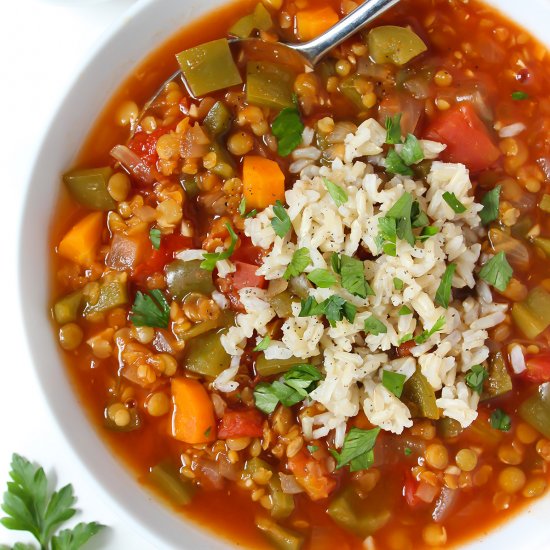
[263, 182]
[81, 242]
[193, 413]
[313, 22]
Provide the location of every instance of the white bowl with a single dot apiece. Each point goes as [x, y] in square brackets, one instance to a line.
[145, 27]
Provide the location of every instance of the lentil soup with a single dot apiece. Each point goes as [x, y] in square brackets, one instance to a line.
[310, 309]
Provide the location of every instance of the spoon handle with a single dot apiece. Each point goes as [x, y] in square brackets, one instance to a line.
[355, 21]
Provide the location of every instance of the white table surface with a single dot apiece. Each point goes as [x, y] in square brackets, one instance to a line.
[41, 44]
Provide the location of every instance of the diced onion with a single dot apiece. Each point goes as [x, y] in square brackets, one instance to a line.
[133, 163]
[289, 485]
[444, 504]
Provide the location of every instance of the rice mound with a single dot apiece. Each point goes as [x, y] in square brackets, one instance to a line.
[353, 361]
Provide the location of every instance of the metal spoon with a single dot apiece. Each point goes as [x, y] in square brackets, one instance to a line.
[306, 53]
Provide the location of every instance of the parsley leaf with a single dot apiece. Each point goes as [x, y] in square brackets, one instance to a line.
[386, 240]
[475, 378]
[242, 207]
[419, 217]
[393, 381]
[497, 272]
[281, 221]
[425, 334]
[401, 213]
[339, 195]
[500, 420]
[263, 345]
[335, 262]
[154, 237]
[453, 202]
[519, 96]
[322, 278]
[287, 127]
[411, 152]
[250, 214]
[30, 507]
[211, 258]
[395, 164]
[407, 451]
[404, 310]
[405, 338]
[443, 293]
[352, 272]
[397, 283]
[428, 231]
[393, 129]
[312, 448]
[334, 308]
[490, 204]
[358, 449]
[374, 326]
[150, 310]
[264, 398]
[300, 260]
[310, 307]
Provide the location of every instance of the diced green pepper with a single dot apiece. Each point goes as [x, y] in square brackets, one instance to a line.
[532, 316]
[89, 187]
[259, 19]
[67, 309]
[190, 185]
[282, 304]
[166, 477]
[499, 381]
[349, 90]
[391, 44]
[206, 356]
[225, 319]
[269, 85]
[269, 367]
[522, 227]
[349, 512]
[419, 396]
[448, 427]
[185, 277]
[280, 537]
[112, 294]
[225, 166]
[218, 120]
[543, 244]
[545, 203]
[535, 410]
[209, 67]
[134, 424]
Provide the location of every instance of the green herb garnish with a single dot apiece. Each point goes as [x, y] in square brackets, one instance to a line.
[322, 278]
[352, 272]
[358, 449]
[407, 451]
[425, 334]
[519, 96]
[396, 165]
[397, 283]
[443, 293]
[411, 152]
[500, 420]
[374, 326]
[386, 240]
[490, 203]
[497, 272]
[339, 196]
[154, 237]
[242, 207]
[150, 310]
[333, 308]
[287, 127]
[264, 343]
[312, 448]
[404, 310]
[475, 378]
[453, 202]
[401, 213]
[211, 258]
[281, 221]
[393, 129]
[393, 381]
[300, 260]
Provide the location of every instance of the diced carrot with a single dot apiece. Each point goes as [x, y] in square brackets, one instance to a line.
[263, 182]
[81, 242]
[312, 475]
[193, 413]
[313, 22]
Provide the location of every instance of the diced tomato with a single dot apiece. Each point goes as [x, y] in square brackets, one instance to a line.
[247, 252]
[409, 490]
[245, 276]
[145, 145]
[538, 368]
[312, 475]
[159, 258]
[241, 424]
[467, 139]
[404, 350]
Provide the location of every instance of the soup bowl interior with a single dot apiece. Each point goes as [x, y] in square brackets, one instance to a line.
[140, 31]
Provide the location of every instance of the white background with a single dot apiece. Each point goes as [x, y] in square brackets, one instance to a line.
[41, 45]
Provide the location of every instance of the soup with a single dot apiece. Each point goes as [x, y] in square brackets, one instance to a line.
[309, 308]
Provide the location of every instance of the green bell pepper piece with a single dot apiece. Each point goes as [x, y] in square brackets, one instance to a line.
[499, 381]
[225, 319]
[269, 85]
[89, 187]
[543, 244]
[280, 537]
[183, 278]
[206, 356]
[259, 19]
[217, 121]
[269, 367]
[545, 203]
[209, 67]
[419, 396]
[190, 185]
[349, 90]
[391, 44]
[67, 309]
[532, 316]
[282, 304]
[448, 427]
[167, 479]
[225, 166]
[535, 410]
[112, 294]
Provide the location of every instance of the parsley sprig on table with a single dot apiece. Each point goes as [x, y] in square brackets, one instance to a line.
[30, 507]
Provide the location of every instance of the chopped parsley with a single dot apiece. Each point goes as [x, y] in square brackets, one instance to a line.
[263, 345]
[339, 196]
[287, 127]
[443, 293]
[281, 221]
[425, 334]
[334, 308]
[154, 237]
[393, 129]
[427, 232]
[150, 310]
[295, 386]
[454, 203]
[407, 451]
[490, 203]
[411, 152]
[312, 448]
[406, 338]
[211, 258]
[396, 165]
[322, 278]
[386, 240]
[419, 217]
[404, 310]
[251, 214]
[242, 207]
[374, 326]
[352, 272]
[300, 260]
[401, 212]
[475, 378]
[520, 96]
[397, 283]
[393, 381]
[497, 272]
[207, 431]
[358, 449]
[500, 420]
[335, 262]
